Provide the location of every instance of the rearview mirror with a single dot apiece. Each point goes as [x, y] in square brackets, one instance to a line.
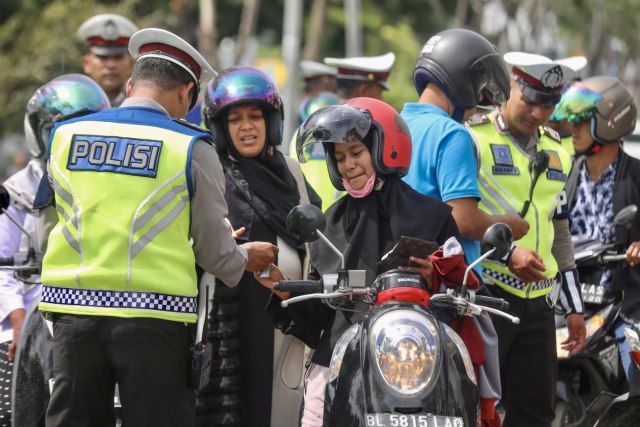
[303, 221]
[626, 215]
[498, 236]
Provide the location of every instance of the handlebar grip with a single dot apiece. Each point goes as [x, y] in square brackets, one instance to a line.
[299, 286]
[613, 258]
[497, 303]
[6, 262]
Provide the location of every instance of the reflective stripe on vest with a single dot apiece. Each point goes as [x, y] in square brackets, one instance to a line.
[504, 181]
[109, 183]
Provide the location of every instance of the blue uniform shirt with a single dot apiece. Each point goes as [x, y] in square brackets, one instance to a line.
[443, 161]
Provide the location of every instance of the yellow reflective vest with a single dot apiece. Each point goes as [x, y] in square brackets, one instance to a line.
[121, 244]
[505, 179]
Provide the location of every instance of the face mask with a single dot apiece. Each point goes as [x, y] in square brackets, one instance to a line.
[365, 191]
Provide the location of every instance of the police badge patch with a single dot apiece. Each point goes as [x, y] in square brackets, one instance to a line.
[555, 167]
[503, 160]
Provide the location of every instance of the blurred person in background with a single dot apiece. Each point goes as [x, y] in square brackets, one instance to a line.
[317, 77]
[315, 168]
[363, 76]
[107, 59]
[243, 109]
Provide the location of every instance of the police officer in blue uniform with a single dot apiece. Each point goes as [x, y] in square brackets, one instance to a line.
[139, 199]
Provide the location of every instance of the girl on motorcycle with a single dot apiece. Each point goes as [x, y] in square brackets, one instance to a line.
[368, 150]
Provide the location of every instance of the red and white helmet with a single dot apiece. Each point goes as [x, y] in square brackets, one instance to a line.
[369, 120]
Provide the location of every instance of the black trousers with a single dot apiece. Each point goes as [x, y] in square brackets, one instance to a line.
[528, 361]
[147, 358]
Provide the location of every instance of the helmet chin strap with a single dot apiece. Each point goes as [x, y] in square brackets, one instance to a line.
[594, 148]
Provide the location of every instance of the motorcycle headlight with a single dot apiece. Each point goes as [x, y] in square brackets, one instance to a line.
[404, 345]
[338, 351]
[593, 324]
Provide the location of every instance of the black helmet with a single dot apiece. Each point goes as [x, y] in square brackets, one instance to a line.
[62, 96]
[605, 101]
[465, 66]
[240, 85]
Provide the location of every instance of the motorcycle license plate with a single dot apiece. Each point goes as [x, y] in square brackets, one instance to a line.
[592, 294]
[412, 420]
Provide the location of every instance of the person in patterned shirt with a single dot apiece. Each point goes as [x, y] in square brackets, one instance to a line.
[604, 180]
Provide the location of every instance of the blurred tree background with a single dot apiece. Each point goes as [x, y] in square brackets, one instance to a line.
[38, 42]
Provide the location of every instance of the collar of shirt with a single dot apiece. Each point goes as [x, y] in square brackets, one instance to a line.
[138, 101]
[501, 126]
[592, 211]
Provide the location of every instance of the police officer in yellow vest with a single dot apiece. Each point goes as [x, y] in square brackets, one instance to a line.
[139, 199]
[523, 170]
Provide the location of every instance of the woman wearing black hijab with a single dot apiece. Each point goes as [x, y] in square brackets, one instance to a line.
[368, 150]
[243, 109]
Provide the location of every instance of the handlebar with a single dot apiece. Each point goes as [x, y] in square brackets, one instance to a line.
[299, 286]
[497, 303]
[613, 258]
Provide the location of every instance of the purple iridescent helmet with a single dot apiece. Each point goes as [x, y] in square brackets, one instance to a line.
[240, 85]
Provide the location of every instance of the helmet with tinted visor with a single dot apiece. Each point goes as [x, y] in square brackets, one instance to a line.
[474, 75]
[577, 104]
[605, 101]
[67, 94]
[368, 120]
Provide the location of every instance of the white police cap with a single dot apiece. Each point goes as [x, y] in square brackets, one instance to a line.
[107, 33]
[158, 43]
[365, 68]
[312, 69]
[541, 79]
[577, 63]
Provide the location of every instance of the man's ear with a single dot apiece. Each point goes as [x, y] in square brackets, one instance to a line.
[85, 62]
[185, 92]
[127, 89]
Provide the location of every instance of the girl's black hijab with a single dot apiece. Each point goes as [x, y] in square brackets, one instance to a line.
[274, 190]
[365, 229]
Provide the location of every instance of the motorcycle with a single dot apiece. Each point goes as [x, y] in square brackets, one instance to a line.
[621, 410]
[400, 365]
[596, 368]
[33, 362]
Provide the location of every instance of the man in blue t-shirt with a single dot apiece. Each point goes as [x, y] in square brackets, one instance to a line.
[443, 161]
[456, 70]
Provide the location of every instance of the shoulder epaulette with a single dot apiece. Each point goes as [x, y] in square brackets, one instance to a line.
[195, 127]
[75, 114]
[551, 133]
[191, 125]
[478, 119]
